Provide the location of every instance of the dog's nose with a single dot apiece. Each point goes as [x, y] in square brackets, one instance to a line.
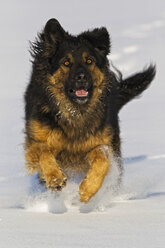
[81, 77]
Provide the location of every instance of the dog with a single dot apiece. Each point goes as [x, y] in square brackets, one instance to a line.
[71, 108]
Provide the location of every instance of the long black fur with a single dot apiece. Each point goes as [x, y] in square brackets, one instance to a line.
[134, 85]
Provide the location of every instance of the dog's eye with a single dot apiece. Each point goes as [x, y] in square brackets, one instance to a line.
[66, 63]
[89, 61]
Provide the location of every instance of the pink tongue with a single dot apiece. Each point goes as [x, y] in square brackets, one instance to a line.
[81, 93]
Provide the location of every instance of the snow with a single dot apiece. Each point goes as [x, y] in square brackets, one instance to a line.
[134, 216]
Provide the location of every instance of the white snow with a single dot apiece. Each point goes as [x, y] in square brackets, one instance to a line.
[134, 216]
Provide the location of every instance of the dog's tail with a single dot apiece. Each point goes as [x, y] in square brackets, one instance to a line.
[134, 85]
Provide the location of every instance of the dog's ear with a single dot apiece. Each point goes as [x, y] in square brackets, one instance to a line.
[99, 38]
[53, 32]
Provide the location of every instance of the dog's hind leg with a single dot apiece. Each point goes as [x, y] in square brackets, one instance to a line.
[100, 165]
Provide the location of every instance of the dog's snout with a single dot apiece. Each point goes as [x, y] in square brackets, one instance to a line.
[81, 80]
[81, 77]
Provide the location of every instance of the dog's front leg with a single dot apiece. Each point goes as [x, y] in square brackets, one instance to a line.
[52, 174]
[100, 164]
[40, 158]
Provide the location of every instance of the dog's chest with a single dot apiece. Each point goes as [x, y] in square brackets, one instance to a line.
[72, 164]
[72, 155]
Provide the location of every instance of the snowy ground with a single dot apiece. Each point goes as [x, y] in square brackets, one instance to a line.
[136, 216]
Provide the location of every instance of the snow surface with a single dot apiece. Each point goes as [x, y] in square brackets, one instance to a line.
[133, 218]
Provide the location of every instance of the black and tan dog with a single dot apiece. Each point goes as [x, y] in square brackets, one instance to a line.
[72, 106]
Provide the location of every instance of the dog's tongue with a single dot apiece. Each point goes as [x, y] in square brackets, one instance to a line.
[81, 93]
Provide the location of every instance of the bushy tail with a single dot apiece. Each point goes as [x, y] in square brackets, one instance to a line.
[134, 85]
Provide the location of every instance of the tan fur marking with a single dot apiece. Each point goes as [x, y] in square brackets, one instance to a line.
[32, 157]
[45, 109]
[42, 133]
[59, 76]
[96, 174]
[40, 156]
[69, 55]
[84, 56]
[38, 131]
[55, 141]
[50, 170]
[97, 75]
[91, 142]
[98, 79]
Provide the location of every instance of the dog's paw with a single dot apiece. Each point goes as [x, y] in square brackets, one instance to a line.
[84, 191]
[57, 183]
[84, 197]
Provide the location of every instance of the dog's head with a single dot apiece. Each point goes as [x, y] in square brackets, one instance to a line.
[76, 63]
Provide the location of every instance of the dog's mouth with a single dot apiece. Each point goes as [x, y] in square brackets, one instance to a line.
[80, 95]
